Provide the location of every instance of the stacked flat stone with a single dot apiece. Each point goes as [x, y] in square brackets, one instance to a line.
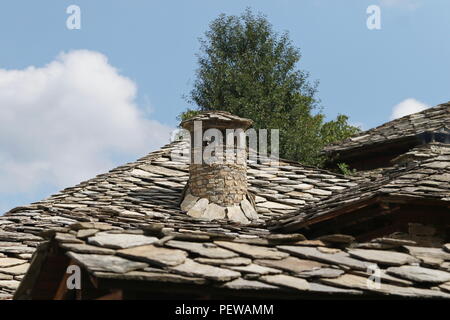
[218, 189]
[260, 265]
[149, 189]
[221, 184]
[242, 212]
[141, 199]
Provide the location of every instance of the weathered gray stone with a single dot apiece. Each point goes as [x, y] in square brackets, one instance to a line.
[284, 238]
[322, 273]
[383, 257]
[337, 238]
[85, 248]
[293, 201]
[274, 205]
[150, 276]
[255, 252]
[105, 263]
[287, 281]
[160, 170]
[9, 284]
[445, 266]
[138, 173]
[395, 242]
[120, 241]
[188, 202]
[291, 264]
[256, 269]
[198, 209]
[242, 284]
[10, 262]
[375, 245]
[248, 210]
[446, 247]
[130, 214]
[319, 192]
[16, 270]
[214, 211]
[154, 269]
[86, 233]
[155, 255]
[445, 287]
[340, 258]
[92, 225]
[5, 296]
[208, 250]
[67, 238]
[310, 243]
[420, 274]
[328, 250]
[300, 195]
[250, 240]
[235, 214]
[237, 261]
[364, 283]
[431, 256]
[6, 276]
[23, 256]
[318, 287]
[193, 269]
[385, 278]
[18, 236]
[303, 186]
[17, 249]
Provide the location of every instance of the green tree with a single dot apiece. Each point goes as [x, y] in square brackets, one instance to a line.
[249, 70]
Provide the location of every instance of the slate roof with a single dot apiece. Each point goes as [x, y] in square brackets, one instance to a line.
[140, 200]
[259, 265]
[422, 173]
[151, 188]
[435, 119]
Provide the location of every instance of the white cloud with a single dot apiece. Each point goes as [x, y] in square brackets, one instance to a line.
[68, 121]
[407, 107]
[404, 4]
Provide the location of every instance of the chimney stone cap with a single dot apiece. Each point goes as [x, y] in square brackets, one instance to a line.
[217, 119]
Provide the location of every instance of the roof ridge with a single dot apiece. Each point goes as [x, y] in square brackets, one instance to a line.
[407, 127]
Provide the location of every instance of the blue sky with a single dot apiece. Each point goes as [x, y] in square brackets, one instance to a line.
[150, 49]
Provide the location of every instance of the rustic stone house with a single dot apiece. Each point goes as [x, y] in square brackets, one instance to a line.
[161, 228]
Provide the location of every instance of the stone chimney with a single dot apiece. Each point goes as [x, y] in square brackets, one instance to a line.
[217, 186]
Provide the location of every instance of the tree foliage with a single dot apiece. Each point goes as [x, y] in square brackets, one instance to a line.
[249, 70]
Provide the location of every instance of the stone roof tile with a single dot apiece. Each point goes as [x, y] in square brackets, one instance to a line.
[435, 119]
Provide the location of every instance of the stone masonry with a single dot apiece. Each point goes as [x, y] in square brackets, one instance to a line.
[218, 189]
[223, 184]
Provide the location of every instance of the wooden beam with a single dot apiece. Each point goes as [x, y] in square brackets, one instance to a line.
[384, 200]
[347, 222]
[116, 294]
[93, 280]
[62, 288]
[293, 226]
[49, 275]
